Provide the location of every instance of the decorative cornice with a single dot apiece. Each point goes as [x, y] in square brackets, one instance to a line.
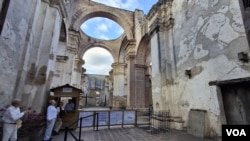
[61, 58]
[163, 21]
[161, 25]
[155, 9]
[59, 4]
[78, 64]
[73, 42]
[140, 66]
[167, 22]
[118, 68]
[130, 48]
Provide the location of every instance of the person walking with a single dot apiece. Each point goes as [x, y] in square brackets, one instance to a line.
[10, 118]
[51, 118]
[58, 123]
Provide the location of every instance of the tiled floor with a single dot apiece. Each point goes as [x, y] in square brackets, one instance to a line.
[129, 134]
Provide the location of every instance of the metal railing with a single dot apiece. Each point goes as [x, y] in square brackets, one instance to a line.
[159, 121]
[67, 128]
[142, 117]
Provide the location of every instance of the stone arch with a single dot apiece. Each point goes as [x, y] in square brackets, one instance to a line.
[101, 45]
[90, 9]
[143, 50]
[143, 72]
[122, 51]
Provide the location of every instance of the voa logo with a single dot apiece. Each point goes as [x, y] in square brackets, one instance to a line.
[236, 132]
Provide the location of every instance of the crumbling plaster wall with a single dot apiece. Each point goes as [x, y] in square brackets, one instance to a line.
[16, 41]
[207, 36]
[30, 37]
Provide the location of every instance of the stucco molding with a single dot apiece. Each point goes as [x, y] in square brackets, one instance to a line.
[73, 42]
[59, 4]
[62, 58]
[118, 68]
[78, 64]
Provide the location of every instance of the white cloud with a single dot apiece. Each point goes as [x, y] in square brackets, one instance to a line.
[98, 61]
[119, 31]
[102, 27]
[104, 37]
[84, 26]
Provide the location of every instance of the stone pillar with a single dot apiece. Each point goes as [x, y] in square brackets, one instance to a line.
[106, 91]
[25, 52]
[163, 59]
[131, 103]
[119, 94]
[130, 49]
[59, 70]
[148, 90]
[166, 29]
[73, 66]
[42, 58]
[140, 82]
[77, 72]
[156, 66]
[110, 88]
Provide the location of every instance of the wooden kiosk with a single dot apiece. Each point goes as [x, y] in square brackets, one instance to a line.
[64, 94]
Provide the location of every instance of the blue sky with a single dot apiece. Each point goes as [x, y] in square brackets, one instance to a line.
[98, 60]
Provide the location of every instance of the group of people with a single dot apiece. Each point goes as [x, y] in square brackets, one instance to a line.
[13, 114]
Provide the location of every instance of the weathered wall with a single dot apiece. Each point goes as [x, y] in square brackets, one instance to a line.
[96, 83]
[201, 36]
[16, 41]
[207, 37]
[30, 38]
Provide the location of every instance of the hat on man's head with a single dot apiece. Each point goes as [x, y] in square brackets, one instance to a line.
[16, 102]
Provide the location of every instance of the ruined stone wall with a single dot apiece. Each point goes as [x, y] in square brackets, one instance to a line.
[96, 83]
[207, 37]
[30, 38]
[16, 40]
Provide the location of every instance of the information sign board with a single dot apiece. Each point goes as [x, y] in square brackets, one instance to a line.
[103, 118]
[115, 117]
[129, 117]
[86, 122]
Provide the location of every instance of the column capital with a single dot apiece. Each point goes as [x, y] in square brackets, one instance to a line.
[130, 46]
[73, 42]
[162, 24]
[118, 68]
[78, 64]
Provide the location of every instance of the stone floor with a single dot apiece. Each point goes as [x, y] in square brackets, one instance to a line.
[129, 134]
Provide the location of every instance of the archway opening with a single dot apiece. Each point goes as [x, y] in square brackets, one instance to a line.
[102, 28]
[98, 61]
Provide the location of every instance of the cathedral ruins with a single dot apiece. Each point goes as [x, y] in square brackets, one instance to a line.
[188, 57]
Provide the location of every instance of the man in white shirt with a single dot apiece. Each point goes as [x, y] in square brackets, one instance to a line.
[10, 117]
[51, 118]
